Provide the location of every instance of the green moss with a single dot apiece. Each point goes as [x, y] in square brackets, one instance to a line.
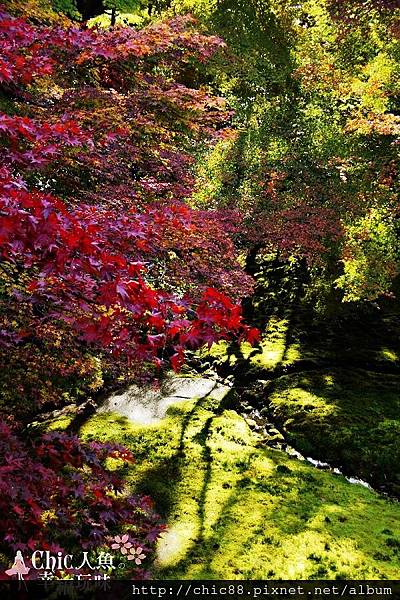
[388, 354]
[272, 351]
[235, 510]
[61, 423]
[272, 344]
[288, 341]
[350, 418]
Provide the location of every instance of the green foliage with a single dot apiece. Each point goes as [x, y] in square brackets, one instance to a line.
[372, 258]
[121, 6]
[66, 7]
[316, 127]
[43, 11]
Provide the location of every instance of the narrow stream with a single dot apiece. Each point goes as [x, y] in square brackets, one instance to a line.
[275, 439]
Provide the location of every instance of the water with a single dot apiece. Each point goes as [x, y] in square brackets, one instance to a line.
[263, 426]
[324, 465]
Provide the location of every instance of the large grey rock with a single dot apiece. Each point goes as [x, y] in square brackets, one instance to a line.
[147, 405]
[188, 387]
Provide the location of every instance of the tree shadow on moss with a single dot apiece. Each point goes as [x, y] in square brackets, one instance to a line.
[291, 516]
[160, 481]
[237, 511]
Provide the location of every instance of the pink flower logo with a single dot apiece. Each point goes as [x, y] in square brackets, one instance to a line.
[125, 546]
[137, 555]
[122, 544]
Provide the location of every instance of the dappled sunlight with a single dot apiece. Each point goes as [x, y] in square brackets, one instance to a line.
[176, 543]
[236, 511]
[388, 354]
[273, 350]
[300, 400]
[329, 380]
[273, 343]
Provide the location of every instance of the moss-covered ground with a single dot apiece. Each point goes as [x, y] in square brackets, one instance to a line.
[334, 390]
[237, 510]
[346, 417]
[295, 339]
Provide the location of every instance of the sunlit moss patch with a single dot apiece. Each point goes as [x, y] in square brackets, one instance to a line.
[236, 510]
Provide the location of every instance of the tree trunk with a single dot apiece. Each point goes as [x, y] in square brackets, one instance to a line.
[90, 8]
[113, 16]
